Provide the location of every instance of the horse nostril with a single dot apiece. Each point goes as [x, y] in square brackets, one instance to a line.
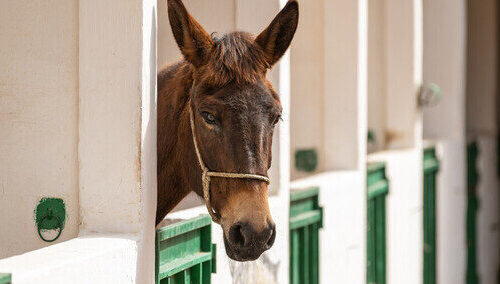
[236, 236]
[272, 236]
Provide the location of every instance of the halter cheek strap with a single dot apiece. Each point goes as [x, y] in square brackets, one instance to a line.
[206, 175]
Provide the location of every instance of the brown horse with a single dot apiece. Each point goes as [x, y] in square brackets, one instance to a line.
[222, 84]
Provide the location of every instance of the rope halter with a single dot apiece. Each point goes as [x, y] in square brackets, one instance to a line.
[206, 174]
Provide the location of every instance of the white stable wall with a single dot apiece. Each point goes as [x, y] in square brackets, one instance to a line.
[444, 125]
[38, 117]
[307, 84]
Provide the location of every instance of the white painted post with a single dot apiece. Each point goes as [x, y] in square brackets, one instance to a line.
[117, 122]
[444, 124]
[343, 238]
[345, 84]
[404, 26]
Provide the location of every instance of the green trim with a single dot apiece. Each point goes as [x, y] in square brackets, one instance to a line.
[296, 195]
[183, 227]
[306, 218]
[184, 252]
[178, 265]
[375, 166]
[377, 189]
[430, 170]
[5, 278]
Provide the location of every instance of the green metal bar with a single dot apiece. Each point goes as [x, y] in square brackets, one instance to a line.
[380, 239]
[315, 253]
[206, 266]
[377, 190]
[181, 264]
[306, 250]
[196, 274]
[295, 261]
[371, 274]
[430, 170]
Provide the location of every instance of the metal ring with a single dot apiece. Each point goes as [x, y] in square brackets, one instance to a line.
[59, 225]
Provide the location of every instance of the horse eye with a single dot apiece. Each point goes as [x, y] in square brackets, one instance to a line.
[208, 117]
[277, 119]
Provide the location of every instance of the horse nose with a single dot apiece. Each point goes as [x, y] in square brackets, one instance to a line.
[242, 235]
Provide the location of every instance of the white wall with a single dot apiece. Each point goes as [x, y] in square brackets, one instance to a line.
[444, 124]
[307, 84]
[38, 117]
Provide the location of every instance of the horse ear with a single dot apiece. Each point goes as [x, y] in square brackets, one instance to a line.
[193, 41]
[276, 38]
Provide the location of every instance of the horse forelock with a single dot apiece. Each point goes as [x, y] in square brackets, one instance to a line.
[236, 57]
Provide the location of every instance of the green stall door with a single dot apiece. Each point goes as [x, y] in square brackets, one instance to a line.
[184, 252]
[5, 278]
[472, 206]
[377, 190]
[431, 168]
[306, 218]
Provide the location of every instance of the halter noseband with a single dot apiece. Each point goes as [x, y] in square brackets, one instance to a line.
[207, 175]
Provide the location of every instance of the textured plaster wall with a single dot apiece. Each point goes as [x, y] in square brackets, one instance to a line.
[38, 117]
